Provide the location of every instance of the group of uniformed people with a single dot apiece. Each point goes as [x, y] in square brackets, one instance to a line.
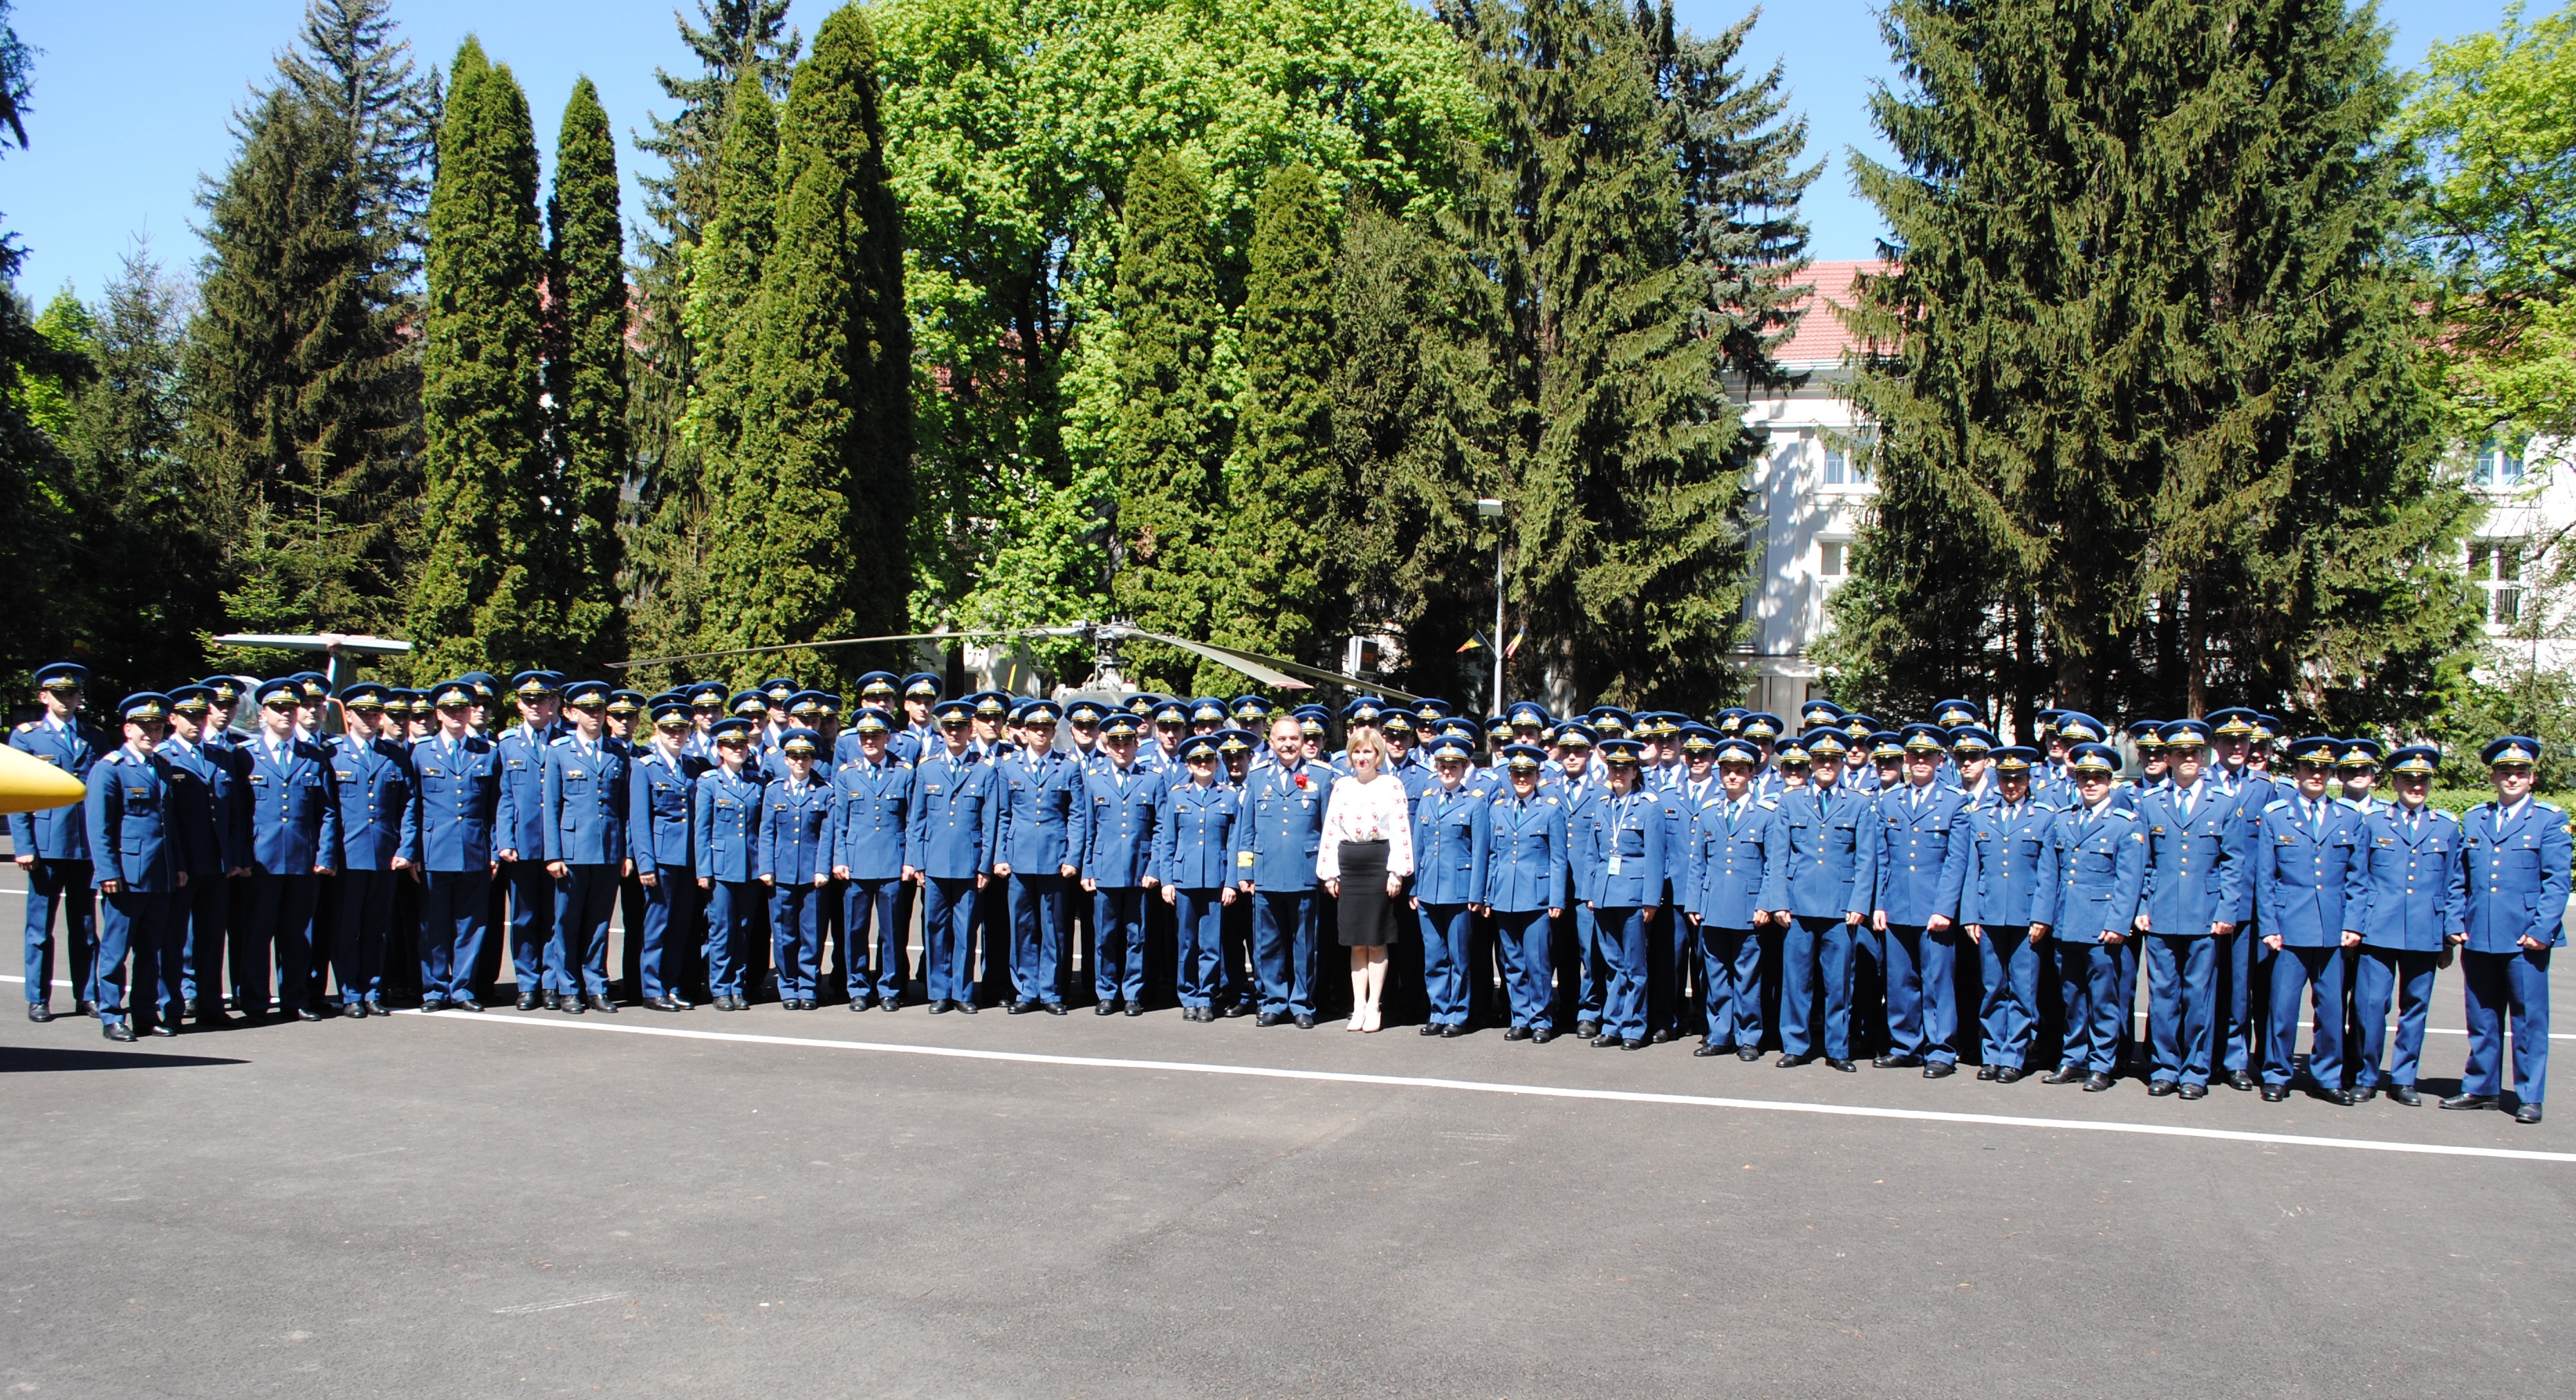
[1828, 888]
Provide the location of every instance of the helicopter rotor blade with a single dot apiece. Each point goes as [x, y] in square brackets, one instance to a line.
[852, 642]
[1269, 670]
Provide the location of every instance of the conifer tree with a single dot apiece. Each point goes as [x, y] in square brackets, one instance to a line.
[1281, 496]
[353, 70]
[586, 380]
[481, 597]
[1171, 432]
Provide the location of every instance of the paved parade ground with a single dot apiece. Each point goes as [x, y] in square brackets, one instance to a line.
[822, 1203]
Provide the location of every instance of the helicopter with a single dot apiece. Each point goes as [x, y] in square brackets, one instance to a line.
[1107, 682]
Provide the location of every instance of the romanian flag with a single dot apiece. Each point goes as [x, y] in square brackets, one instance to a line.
[1517, 638]
[1474, 640]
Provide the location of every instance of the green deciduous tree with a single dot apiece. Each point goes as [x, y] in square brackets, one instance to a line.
[586, 381]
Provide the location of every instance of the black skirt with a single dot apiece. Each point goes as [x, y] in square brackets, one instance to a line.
[1367, 916]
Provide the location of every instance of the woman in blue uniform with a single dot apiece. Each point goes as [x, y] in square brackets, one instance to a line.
[726, 821]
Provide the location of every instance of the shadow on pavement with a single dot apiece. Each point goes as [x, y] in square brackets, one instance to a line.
[34, 1059]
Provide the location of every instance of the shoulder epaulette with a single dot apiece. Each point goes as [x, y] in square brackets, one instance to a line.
[114, 758]
[2124, 813]
[2350, 805]
[28, 727]
[2446, 816]
[1768, 804]
[2276, 804]
[2545, 806]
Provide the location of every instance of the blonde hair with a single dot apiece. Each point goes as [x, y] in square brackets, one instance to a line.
[1370, 740]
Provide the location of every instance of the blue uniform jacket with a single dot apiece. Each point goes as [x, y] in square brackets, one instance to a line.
[585, 804]
[724, 822]
[2011, 879]
[660, 793]
[1621, 840]
[1830, 843]
[1194, 840]
[201, 799]
[1037, 797]
[795, 830]
[955, 818]
[1679, 805]
[2101, 874]
[1526, 855]
[2516, 876]
[130, 834]
[2303, 881]
[1279, 826]
[1920, 864]
[2196, 864]
[1735, 865]
[1120, 814]
[1583, 867]
[374, 788]
[1449, 835]
[294, 818]
[60, 833]
[455, 801]
[519, 823]
[872, 822]
[2414, 885]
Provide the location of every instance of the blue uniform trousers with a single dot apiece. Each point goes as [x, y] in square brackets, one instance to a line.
[61, 885]
[670, 931]
[948, 938]
[2182, 1004]
[1037, 937]
[1583, 974]
[2245, 995]
[455, 906]
[358, 935]
[1868, 988]
[796, 935]
[1118, 944]
[2497, 983]
[1671, 947]
[280, 924]
[2378, 975]
[204, 915]
[1816, 961]
[1237, 987]
[729, 907]
[1619, 941]
[577, 954]
[1522, 937]
[2008, 1009]
[1283, 950]
[2294, 971]
[531, 893]
[1199, 962]
[1923, 992]
[2088, 984]
[1448, 942]
[1730, 986]
[2132, 956]
[140, 925]
[872, 915]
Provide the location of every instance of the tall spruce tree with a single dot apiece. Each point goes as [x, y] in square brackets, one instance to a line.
[829, 424]
[352, 68]
[2151, 432]
[1281, 497]
[586, 380]
[296, 383]
[481, 598]
[1169, 441]
[1624, 458]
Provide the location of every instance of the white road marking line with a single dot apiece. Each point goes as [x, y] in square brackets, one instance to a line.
[550, 1307]
[1474, 1086]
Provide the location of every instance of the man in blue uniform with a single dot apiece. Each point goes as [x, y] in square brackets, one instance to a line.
[2004, 897]
[143, 854]
[2195, 895]
[1827, 840]
[1921, 862]
[295, 835]
[1449, 835]
[52, 847]
[1525, 882]
[2305, 869]
[724, 828]
[374, 785]
[1119, 810]
[1037, 789]
[2244, 964]
[662, 786]
[2516, 853]
[583, 801]
[1194, 859]
[2412, 915]
[208, 937]
[1622, 845]
[869, 830]
[796, 864]
[1276, 832]
[448, 835]
[1732, 881]
[519, 830]
[2099, 855]
[205, 795]
[954, 826]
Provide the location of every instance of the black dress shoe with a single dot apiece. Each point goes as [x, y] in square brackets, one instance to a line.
[164, 1029]
[117, 1031]
[2364, 1093]
[660, 1003]
[1020, 1008]
[2240, 1080]
[2064, 1074]
[1598, 1042]
[84, 1007]
[426, 1004]
[1940, 1069]
[1706, 1051]
[1430, 1028]
[1845, 1066]
[1266, 1018]
[1517, 1033]
[2471, 1101]
[2274, 1093]
[1666, 1036]
[1543, 1035]
[2404, 1096]
[1632, 1044]
[1986, 1073]
[570, 1005]
[554, 1001]
[1133, 1009]
[1789, 1061]
[528, 1001]
[2342, 1097]
[2195, 1091]
[1240, 1008]
[939, 1007]
[355, 1011]
[306, 1013]
[1452, 1032]
[730, 1002]
[2096, 1083]
[39, 1013]
[465, 1004]
[1052, 1008]
[1107, 1007]
[1895, 1061]
[2009, 1074]
[1747, 1053]
[964, 1008]
[1587, 1030]
[2528, 1113]
[1304, 1021]
[2163, 1088]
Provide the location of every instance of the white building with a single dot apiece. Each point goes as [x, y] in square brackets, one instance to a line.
[2523, 540]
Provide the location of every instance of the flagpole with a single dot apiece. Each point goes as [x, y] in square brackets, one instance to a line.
[1492, 509]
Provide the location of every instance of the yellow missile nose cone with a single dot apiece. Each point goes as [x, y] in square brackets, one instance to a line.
[32, 785]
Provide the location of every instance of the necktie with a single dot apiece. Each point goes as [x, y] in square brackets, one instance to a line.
[2317, 819]
[2186, 804]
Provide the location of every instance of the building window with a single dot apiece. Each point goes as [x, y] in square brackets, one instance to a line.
[2496, 566]
[1847, 460]
[1831, 559]
[2499, 463]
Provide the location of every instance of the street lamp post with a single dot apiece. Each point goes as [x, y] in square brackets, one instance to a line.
[1490, 509]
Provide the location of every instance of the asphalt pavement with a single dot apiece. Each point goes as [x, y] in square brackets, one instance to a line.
[826, 1203]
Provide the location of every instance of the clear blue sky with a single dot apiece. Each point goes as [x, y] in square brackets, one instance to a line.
[132, 98]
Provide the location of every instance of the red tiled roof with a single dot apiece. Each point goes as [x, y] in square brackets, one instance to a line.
[1820, 338]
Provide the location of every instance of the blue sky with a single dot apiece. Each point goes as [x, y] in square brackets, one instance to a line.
[132, 97]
